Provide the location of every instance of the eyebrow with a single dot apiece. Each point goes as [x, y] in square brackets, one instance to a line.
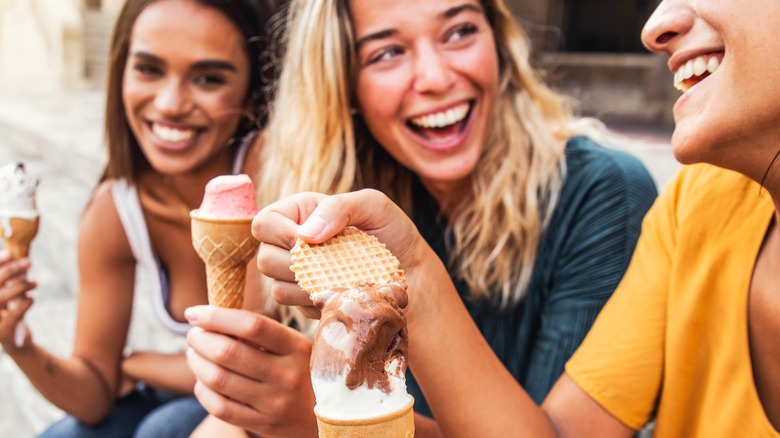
[449, 13]
[204, 65]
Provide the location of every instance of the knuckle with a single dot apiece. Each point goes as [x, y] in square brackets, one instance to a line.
[227, 352]
[220, 410]
[254, 326]
[264, 257]
[218, 379]
[279, 292]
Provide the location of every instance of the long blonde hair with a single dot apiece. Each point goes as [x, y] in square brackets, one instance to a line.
[313, 143]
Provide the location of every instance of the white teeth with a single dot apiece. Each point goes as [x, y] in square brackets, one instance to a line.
[688, 70]
[698, 66]
[713, 64]
[171, 134]
[442, 119]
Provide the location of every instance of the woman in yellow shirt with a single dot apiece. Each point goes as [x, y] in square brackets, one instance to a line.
[690, 336]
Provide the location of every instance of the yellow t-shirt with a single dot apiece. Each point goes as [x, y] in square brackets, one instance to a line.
[672, 342]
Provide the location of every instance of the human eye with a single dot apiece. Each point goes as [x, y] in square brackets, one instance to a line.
[146, 69]
[385, 54]
[209, 80]
[461, 32]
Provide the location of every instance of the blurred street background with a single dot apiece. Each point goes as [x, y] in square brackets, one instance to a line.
[53, 61]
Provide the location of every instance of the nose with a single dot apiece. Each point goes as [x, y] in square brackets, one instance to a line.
[173, 99]
[432, 70]
[669, 21]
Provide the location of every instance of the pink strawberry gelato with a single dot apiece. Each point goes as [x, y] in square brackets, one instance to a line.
[228, 196]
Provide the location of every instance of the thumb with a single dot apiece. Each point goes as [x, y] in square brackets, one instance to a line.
[368, 210]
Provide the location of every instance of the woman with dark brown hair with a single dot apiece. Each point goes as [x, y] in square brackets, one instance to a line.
[185, 98]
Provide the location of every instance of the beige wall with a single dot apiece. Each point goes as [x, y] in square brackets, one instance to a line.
[41, 43]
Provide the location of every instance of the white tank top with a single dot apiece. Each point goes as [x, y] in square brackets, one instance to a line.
[128, 206]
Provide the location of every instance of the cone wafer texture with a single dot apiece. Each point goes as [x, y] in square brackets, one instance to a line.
[17, 234]
[350, 258]
[395, 425]
[225, 246]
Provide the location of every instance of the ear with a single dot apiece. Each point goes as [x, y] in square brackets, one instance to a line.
[321, 299]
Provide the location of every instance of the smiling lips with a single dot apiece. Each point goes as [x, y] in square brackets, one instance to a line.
[443, 125]
[172, 135]
[694, 71]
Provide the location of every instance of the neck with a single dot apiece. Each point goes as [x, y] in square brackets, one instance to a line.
[190, 186]
[446, 194]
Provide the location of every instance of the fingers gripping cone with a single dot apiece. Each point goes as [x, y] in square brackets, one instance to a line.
[17, 234]
[18, 218]
[225, 246]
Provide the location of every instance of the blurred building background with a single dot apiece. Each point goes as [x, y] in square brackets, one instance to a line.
[591, 49]
[588, 48]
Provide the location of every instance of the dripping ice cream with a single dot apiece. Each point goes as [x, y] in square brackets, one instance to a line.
[358, 361]
[359, 352]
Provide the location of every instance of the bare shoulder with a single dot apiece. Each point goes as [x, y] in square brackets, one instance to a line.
[101, 230]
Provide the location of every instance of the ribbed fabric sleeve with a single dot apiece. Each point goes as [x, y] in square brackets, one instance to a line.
[581, 258]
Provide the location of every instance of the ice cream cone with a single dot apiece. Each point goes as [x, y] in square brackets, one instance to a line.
[17, 234]
[225, 246]
[399, 424]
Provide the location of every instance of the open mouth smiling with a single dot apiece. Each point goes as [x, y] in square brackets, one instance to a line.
[694, 71]
[171, 134]
[443, 125]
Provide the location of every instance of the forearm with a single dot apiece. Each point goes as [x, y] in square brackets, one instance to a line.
[464, 382]
[425, 427]
[168, 372]
[73, 385]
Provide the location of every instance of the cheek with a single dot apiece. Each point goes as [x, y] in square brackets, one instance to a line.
[483, 66]
[227, 107]
[379, 96]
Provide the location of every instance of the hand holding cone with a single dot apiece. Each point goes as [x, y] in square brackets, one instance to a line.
[19, 218]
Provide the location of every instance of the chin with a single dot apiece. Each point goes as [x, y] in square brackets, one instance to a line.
[687, 147]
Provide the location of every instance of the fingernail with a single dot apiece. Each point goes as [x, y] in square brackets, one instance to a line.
[192, 314]
[312, 227]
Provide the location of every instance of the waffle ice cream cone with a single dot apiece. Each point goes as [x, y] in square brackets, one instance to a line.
[18, 218]
[356, 283]
[349, 258]
[398, 424]
[17, 234]
[225, 246]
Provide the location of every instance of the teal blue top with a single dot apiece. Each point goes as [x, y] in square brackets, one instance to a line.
[581, 258]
